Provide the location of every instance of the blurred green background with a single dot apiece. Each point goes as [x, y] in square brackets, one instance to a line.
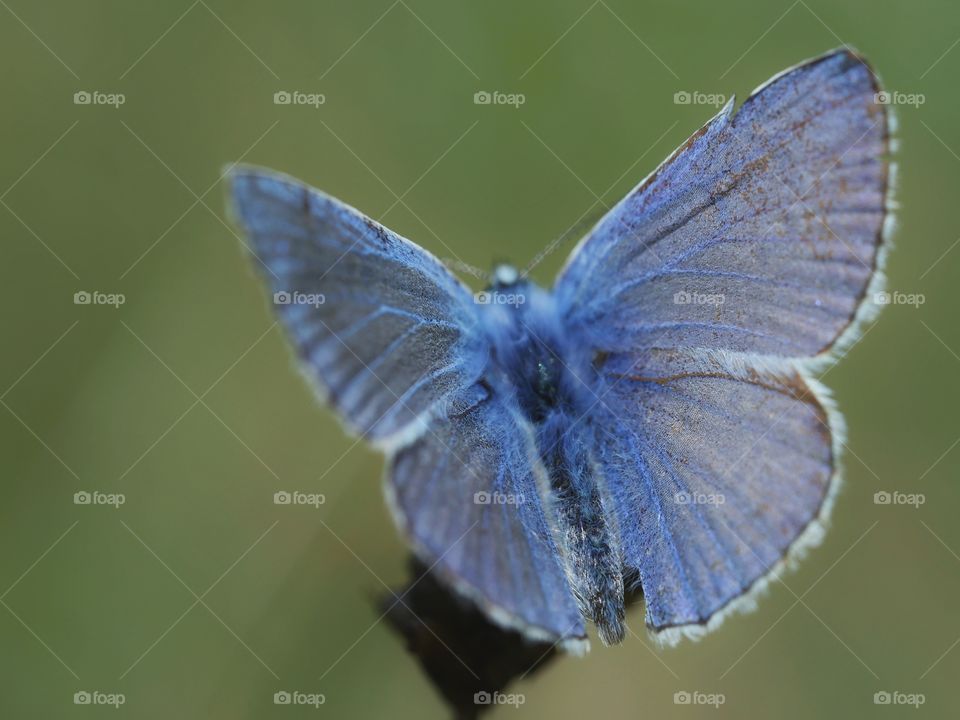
[200, 598]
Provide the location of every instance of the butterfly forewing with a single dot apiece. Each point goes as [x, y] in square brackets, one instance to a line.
[759, 235]
[379, 323]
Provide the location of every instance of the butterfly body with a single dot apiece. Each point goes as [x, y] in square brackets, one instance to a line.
[528, 354]
[553, 384]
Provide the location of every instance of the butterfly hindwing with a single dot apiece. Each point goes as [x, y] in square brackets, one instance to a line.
[467, 493]
[717, 472]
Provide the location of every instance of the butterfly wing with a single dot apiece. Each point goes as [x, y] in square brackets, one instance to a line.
[717, 474]
[759, 235]
[379, 324]
[391, 339]
[706, 296]
[472, 480]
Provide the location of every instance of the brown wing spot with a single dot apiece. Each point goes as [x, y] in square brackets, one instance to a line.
[379, 231]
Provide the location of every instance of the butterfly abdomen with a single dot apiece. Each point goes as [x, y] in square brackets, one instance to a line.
[532, 360]
[588, 544]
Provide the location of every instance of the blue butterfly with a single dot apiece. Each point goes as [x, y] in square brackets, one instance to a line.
[652, 419]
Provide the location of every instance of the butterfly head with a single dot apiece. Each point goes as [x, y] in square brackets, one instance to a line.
[504, 276]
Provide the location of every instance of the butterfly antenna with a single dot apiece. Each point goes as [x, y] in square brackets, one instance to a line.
[583, 223]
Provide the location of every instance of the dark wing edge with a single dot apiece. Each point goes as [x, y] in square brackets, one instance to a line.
[867, 310]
